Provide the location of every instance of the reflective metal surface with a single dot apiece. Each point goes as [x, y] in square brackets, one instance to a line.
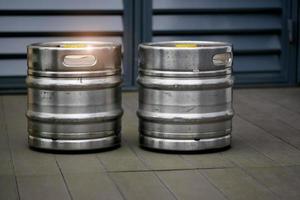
[185, 95]
[74, 95]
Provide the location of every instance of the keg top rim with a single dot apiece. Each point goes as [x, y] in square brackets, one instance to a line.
[74, 45]
[185, 45]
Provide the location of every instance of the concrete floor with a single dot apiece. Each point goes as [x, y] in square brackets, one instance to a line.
[263, 163]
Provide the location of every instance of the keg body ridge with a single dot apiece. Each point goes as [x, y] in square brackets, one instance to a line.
[185, 95]
[74, 95]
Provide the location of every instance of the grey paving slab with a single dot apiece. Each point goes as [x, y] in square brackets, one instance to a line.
[16, 124]
[8, 187]
[131, 101]
[8, 183]
[264, 106]
[265, 143]
[130, 128]
[25, 161]
[130, 120]
[189, 184]
[121, 159]
[243, 155]
[28, 162]
[286, 97]
[141, 185]
[236, 184]
[130, 131]
[162, 161]
[18, 143]
[265, 136]
[15, 107]
[208, 160]
[92, 186]
[78, 163]
[294, 170]
[278, 180]
[270, 123]
[45, 187]
[3, 135]
[6, 167]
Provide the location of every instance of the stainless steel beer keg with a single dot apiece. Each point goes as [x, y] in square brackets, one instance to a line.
[185, 95]
[74, 95]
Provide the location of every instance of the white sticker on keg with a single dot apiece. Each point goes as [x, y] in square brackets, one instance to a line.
[186, 45]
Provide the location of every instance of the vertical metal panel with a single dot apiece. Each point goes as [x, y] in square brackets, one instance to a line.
[296, 17]
[127, 43]
[142, 28]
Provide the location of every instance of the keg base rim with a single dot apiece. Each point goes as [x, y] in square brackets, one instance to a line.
[74, 145]
[182, 145]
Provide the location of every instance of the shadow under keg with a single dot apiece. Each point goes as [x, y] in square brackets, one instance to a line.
[185, 95]
[74, 95]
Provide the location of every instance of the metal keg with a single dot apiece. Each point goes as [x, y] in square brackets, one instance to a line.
[185, 95]
[74, 95]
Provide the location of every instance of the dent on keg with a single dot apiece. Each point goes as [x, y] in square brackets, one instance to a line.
[74, 95]
[185, 95]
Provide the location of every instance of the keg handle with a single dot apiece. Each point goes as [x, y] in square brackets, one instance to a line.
[79, 60]
[222, 59]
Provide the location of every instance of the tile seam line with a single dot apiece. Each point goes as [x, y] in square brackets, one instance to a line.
[165, 185]
[64, 179]
[208, 168]
[254, 148]
[136, 154]
[259, 182]
[166, 170]
[111, 178]
[214, 185]
[246, 172]
[147, 166]
[284, 122]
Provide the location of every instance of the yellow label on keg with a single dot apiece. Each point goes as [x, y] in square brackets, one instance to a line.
[74, 45]
[186, 45]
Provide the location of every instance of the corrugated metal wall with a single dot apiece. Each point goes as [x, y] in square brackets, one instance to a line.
[25, 22]
[258, 29]
[296, 16]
